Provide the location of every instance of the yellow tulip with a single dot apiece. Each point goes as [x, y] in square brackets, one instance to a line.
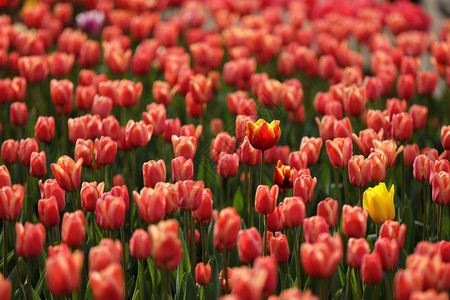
[380, 203]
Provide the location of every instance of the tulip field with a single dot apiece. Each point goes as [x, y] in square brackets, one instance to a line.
[224, 149]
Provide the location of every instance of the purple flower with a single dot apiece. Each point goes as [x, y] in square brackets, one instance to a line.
[91, 21]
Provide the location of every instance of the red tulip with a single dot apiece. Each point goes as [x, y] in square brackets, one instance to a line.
[48, 212]
[5, 288]
[269, 265]
[108, 252]
[154, 172]
[419, 115]
[203, 214]
[182, 169]
[140, 246]
[365, 139]
[410, 153]
[339, 151]
[73, 229]
[279, 247]
[226, 229]
[275, 219]
[105, 150]
[38, 164]
[44, 129]
[201, 88]
[18, 114]
[249, 245]
[184, 146]
[51, 188]
[440, 183]
[84, 149]
[421, 168]
[371, 269]
[110, 212]
[171, 195]
[426, 82]
[263, 135]
[155, 116]
[151, 204]
[223, 142]
[5, 178]
[445, 137]
[246, 283]
[313, 227]
[293, 211]
[11, 199]
[304, 187]
[354, 100]
[26, 148]
[388, 251]
[356, 249]
[111, 127]
[249, 155]
[172, 127]
[329, 209]
[394, 231]
[90, 193]
[61, 91]
[29, 239]
[402, 127]
[405, 86]
[102, 106]
[122, 193]
[108, 283]
[67, 172]
[320, 259]
[33, 68]
[128, 93]
[190, 194]
[161, 92]
[166, 246]
[298, 160]
[10, 151]
[359, 170]
[60, 63]
[227, 165]
[354, 221]
[138, 134]
[311, 146]
[378, 162]
[63, 270]
[389, 148]
[266, 199]
[203, 274]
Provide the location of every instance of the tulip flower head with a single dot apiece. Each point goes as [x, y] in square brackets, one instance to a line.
[263, 135]
[380, 203]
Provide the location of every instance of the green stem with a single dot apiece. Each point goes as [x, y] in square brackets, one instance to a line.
[224, 268]
[336, 183]
[204, 243]
[124, 259]
[16, 258]
[390, 284]
[193, 254]
[439, 229]
[377, 229]
[347, 284]
[5, 249]
[323, 288]
[403, 182]
[28, 206]
[29, 293]
[166, 284]
[261, 179]
[358, 283]
[141, 280]
[250, 198]
[425, 210]
[247, 209]
[265, 235]
[154, 275]
[50, 238]
[344, 179]
[360, 196]
[74, 201]
[94, 233]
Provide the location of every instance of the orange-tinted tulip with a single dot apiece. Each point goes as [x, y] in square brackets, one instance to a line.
[48, 212]
[105, 150]
[11, 199]
[354, 100]
[226, 229]
[394, 231]
[151, 204]
[184, 146]
[26, 148]
[203, 274]
[140, 246]
[354, 221]
[67, 172]
[110, 212]
[166, 246]
[249, 245]
[44, 130]
[371, 269]
[106, 253]
[266, 199]
[10, 151]
[29, 239]
[108, 283]
[378, 162]
[38, 164]
[421, 168]
[63, 270]
[328, 209]
[283, 176]
[389, 148]
[356, 249]
[73, 229]
[263, 135]
[359, 170]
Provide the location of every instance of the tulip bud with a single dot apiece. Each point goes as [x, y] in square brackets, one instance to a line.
[313, 227]
[45, 129]
[10, 151]
[405, 86]
[105, 150]
[90, 193]
[312, 147]
[304, 187]
[67, 172]
[5, 178]
[279, 247]
[61, 91]
[18, 114]
[5, 288]
[339, 151]
[354, 221]
[108, 252]
[182, 169]
[354, 100]
[223, 142]
[329, 209]
[166, 246]
[392, 230]
[378, 166]
[190, 194]
[11, 199]
[293, 211]
[226, 229]
[203, 274]
[419, 115]
[73, 229]
[410, 152]
[227, 165]
[440, 183]
[275, 219]
[102, 106]
[138, 134]
[356, 249]
[151, 204]
[371, 269]
[359, 170]
[38, 164]
[402, 127]
[110, 212]
[265, 199]
[48, 212]
[269, 265]
[249, 245]
[153, 172]
[184, 146]
[29, 239]
[84, 149]
[140, 246]
[203, 214]
[388, 251]
[249, 155]
[320, 259]
[445, 137]
[26, 148]
[108, 283]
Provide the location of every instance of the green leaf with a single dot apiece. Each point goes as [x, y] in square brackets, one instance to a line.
[342, 274]
[238, 201]
[191, 288]
[307, 283]
[408, 219]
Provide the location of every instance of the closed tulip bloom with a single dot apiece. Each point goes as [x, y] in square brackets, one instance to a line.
[105, 150]
[89, 53]
[354, 221]
[5, 288]
[389, 148]
[304, 187]
[440, 183]
[313, 227]
[320, 259]
[249, 155]
[405, 86]
[269, 93]
[51, 188]
[426, 82]
[111, 127]
[151, 204]
[166, 246]
[356, 249]
[110, 212]
[191, 130]
[419, 115]
[378, 166]
[269, 265]
[326, 127]
[182, 169]
[227, 165]
[410, 152]
[26, 148]
[138, 134]
[34, 68]
[106, 253]
[5, 178]
[388, 251]
[364, 141]
[44, 130]
[10, 151]
[359, 170]
[154, 172]
[339, 151]
[203, 214]
[84, 96]
[240, 129]
[275, 219]
[402, 127]
[279, 247]
[185, 146]
[48, 212]
[171, 195]
[394, 231]
[293, 211]
[406, 282]
[354, 100]
[380, 203]
[223, 142]
[38, 164]
[190, 194]
[445, 137]
[249, 245]
[11, 199]
[161, 92]
[108, 283]
[329, 209]
[266, 199]
[29, 239]
[371, 269]
[84, 149]
[193, 109]
[63, 270]
[67, 172]
[201, 88]
[102, 106]
[128, 93]
[18, 113]
[311, 146]
[155, 115]
[61, 91]
[298, 160]
[122, 193]
[77, 129]
[428, 295]
[73, 229]
[90, 193]
[226, 229]
[263, 135]
[140, 246]
[203, 274]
